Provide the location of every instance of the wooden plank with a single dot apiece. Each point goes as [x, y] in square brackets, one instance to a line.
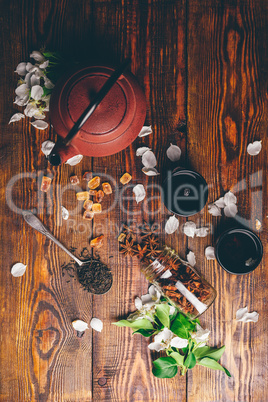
[227, 109]
[153, 35]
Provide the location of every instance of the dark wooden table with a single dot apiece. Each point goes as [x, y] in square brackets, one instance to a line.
[203, 66]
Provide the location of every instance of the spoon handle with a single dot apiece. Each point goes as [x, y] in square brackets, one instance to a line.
[36, 224]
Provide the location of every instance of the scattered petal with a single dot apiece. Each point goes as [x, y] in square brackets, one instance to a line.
[191, 258]
[172, 224]
[37, 56]
[230, 210]
[39, 124]
[146, 130]
[189, 229]
[16, 117]
[138, 303]
[174, 153]
[210, 253]
[254, 148]
[96, 324]
[149, 159]
[229, 198]
[79, 325]
[167, 274]
[150, 171]
[44, 65]
[18, 269]
[37, 92]
[258, 224]
[21, 69]
[139, 192]
[142, 150]
[220, 203]
[202, 232]
[244, 316]
[74, 160]
[214, 210]
[64, 213]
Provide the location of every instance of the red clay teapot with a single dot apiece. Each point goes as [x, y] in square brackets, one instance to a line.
[97, 111]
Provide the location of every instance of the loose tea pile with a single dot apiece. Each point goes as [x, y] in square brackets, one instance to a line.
[95, 277]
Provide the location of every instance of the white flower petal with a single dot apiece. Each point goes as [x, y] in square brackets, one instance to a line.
[48, 84]
[191, 258]
[22, 101]
[31, 110]
[254, 148]
[163, 336]
[167, 274]
[37, 92]
[37, 56]
[174, 153]
[96, 324]
[18, 269]
[150, 171]
[172, 224]
[64, 213]
[149, 159]
[244, 316]
[145, 299]
[16, 117]
[44, 65]
[156, 346]
[201, 335]
[146, 130]
[241, 312]
[230, 210]
[229, 198]
[220, 203]
[79, 325]
[21, 69]
[74, 160]
[27, 79]
[214, 210]
[171, 310]
[29, 67]
[39, 124]
[178, 342]
[202, 232]
[189, 228]
[142, 150]
[139, 192]
[34, 80]
[210, 253]
[22, 90]
[138, 303]
[154, 292]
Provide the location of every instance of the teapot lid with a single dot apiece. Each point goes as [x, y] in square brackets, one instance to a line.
[115, 123]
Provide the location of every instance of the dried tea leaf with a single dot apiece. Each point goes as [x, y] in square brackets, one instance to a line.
[172, 224]
[189, 229]
[202, 232]
[139, 192]
[244, 316]
[210, 253]
[74, 180]
[214, 210]
[94, 183]
[79, 325]
[82, 196]
[220, 203]
[64, 213]
[257, 224]
[40, 125]
[149, 159]
[230, 210]
[45, 184]
[97, 242]
[191, 258]
[18, 269]
[47, 147]
[17, 117]
[150, 171]
[96, 324]
[74, 160]
[125, 179]
[229, 198]
[254, 148]
[174, 153]
[146, 130]
[142, 150]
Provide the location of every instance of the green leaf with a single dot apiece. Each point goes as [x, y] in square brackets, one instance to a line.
[206, 351]
[212, 364]
[178, 357]
[46, 91]
[173, 316]
[179, 328]
[144, 332]
[190, 361]
[137, 324]
[162, 313]
[165, 367]
[227, 372]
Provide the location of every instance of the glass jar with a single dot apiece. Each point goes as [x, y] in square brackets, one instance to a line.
[180, 283]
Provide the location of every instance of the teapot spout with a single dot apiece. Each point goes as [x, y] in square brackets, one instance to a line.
[61, 153]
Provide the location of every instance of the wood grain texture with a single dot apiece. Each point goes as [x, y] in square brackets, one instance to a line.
[227, 109]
